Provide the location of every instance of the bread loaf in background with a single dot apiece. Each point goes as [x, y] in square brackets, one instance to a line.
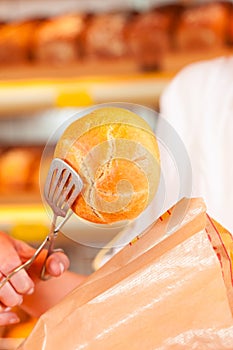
[104, 36]
[230, 30]
[202, 27]
[149, 36]
[57, 40]
[19, 169]
[16, 168]
[16, 41]
[148, 39]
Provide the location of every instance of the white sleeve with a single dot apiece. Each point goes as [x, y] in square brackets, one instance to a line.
[198, 103]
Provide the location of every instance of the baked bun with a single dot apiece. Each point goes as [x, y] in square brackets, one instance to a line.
[16, 41]
[202, 27]
[148, 37]
[57, 40]
[117, 156]
[16, 169]
[104, 36]
[230, 29]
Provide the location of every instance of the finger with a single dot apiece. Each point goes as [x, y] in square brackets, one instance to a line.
[8, 318]
[9, 260]
[57, 263]
[4, 308]
[55, 267]
[22, 283]
[9, 297]
[24, 250]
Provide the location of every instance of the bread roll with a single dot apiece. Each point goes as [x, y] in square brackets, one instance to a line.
[116, 154]
[148, 37]
[202, 27]
[58, 40]
[230, 31]
[104, 36]
[16, 166]
[16, 41]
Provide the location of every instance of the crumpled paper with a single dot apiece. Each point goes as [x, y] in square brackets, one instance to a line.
[169, 295]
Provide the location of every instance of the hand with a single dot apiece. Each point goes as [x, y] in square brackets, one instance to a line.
[12, 254]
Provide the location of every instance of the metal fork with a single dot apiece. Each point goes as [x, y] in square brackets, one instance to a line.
[62, 187]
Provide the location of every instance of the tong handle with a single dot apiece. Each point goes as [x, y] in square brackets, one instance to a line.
[27, 263]
[51, 239]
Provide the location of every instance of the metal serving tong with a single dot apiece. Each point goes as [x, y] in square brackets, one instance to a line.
[62, 187]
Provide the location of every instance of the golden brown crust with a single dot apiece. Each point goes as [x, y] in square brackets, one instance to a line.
[230, 29]
[202, 27]
[19, 169]
[16, 41]
[117, 156]
[148, 36]
[16, 168]
[104, 36]
[58, 39]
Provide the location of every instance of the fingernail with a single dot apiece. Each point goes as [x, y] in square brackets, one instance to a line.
[31, 291]
[14, 319]
[8, 308]
[62, 267]
[20, 301]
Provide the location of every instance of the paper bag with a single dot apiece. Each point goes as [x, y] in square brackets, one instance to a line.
[150, 295]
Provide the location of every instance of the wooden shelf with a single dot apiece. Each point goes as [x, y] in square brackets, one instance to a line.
[33, 87]
[25, 89]
[21, 198]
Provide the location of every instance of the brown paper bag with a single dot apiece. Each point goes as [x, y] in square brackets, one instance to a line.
[150, 295]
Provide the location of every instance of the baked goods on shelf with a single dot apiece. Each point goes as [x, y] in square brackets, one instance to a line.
[104, 36]
[19, 170]
[22, 171]
[57, 40]
[16, 41]
[230, 31]
[202, 27]
[149, 36]
[144, 38]
[17, 167]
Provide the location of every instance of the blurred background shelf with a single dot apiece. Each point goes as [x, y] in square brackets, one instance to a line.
[51, 88]
[31, 88]
[56, 54]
